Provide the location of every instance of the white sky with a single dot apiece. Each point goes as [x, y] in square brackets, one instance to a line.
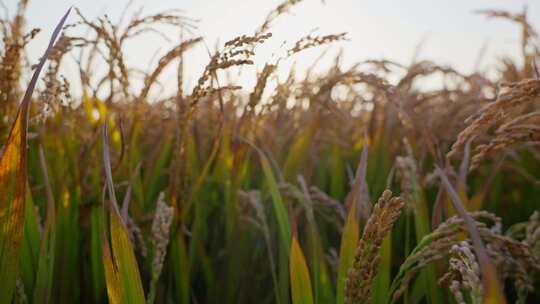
[450, 30]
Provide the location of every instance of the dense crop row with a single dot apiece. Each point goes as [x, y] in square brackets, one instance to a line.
[351, 185]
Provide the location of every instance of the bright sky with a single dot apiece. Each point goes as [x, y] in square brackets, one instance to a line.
[450, 32]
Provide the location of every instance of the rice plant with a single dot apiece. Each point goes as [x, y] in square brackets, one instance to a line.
[352, 184]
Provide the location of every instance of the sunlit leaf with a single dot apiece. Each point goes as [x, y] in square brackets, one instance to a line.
[300, 281]
[13, 184]
[122, 272]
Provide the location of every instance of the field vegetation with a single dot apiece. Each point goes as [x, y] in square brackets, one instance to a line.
[354, 184]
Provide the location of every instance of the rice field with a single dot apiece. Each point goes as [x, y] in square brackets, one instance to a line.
[352, 184]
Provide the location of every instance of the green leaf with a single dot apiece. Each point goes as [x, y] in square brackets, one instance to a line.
[277, 202]
[30, 246]
[44, 279]
[349, 242]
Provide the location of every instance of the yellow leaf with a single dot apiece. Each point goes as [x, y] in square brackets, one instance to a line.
[13, 184]
[300, 280]
[114, 289]
[122, 272]
[12, 200]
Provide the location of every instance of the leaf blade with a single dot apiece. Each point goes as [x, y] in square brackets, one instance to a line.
[349, 242]
[301, 290]
[13, 183]
[122, 269]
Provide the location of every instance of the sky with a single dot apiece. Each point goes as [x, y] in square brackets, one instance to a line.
[449, 32]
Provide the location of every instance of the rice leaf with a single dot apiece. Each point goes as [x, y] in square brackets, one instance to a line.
[44, 280]
[30, 246]
[121, 269]
[300, 281]
[96, 254]
[114, 287]
[359, 194]
[349, 242]
[277, 202]
[13, 184]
